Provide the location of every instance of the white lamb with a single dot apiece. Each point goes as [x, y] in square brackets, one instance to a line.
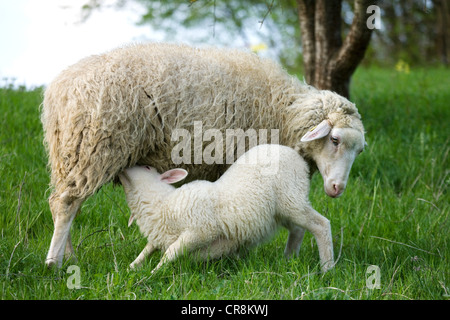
[264, 189]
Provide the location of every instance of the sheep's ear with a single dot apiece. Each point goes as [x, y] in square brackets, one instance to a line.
[173, 175]
[318, 132]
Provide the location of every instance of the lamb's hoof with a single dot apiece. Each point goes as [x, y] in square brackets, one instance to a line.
[134, 266]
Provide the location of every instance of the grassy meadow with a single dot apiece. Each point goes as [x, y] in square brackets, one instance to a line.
[393, 215]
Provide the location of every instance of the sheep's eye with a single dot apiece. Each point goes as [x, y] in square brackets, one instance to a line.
[334, 140]
[148, 168]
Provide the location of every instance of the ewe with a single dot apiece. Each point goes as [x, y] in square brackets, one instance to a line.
[265, 188]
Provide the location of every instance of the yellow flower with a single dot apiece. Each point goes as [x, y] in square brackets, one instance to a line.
[402, 67]
[258, 47]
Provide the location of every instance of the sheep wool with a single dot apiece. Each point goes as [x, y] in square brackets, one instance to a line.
[118, 109]
[264, 189]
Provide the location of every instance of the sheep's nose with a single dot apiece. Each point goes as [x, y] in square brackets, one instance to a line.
[334, 189]
[338, 189]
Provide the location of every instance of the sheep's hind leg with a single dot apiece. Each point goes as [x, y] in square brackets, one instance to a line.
[64, 209]
[69, 252]
[294, 241]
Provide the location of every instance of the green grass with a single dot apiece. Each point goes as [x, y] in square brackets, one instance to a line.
[394, 214]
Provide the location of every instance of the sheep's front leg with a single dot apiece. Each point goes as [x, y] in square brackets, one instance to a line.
[148, 250]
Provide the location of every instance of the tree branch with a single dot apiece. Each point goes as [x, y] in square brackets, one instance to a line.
[269, 9]
[356, 42]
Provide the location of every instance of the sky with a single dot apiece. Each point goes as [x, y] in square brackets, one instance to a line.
[38, 39]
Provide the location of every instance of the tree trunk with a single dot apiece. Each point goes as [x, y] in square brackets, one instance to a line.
[330, 62]
[442, 8]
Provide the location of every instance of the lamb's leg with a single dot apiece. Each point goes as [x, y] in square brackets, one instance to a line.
[64, 209]
[187, 241]
[294, 241]
[148, 250]
[320, 227]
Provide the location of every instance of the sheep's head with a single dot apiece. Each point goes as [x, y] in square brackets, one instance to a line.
[335, 153]
[333, 141]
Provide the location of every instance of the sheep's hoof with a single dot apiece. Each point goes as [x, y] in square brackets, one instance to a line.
[55, 263]
[290, 255]
[327, 266]
[52, 263]
[71, 258]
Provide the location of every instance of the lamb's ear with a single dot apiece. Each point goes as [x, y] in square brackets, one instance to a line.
[173, 176]
[318, 132]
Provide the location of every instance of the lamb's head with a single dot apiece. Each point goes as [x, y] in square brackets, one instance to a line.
[147, 179]
[333, 140]
[143, 182]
